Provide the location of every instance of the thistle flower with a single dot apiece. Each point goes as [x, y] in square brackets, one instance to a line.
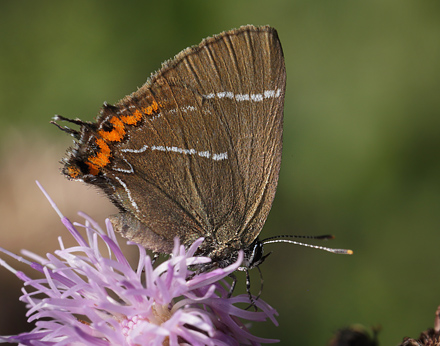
[88, 298]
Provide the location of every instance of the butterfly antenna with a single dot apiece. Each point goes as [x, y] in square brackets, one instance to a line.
[282, 239]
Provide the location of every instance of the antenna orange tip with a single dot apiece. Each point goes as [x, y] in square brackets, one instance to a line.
[349, 252]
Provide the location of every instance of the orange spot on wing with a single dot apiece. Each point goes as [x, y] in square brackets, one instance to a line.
[132, 119]
[117, 133]
[73, 172]
[150, 109]
[101, 159]
[92, 168]
[137, 114]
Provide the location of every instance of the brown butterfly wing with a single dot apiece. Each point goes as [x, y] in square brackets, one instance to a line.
[204, 158]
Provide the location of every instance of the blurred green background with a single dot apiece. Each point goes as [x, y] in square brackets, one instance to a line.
[361, 155]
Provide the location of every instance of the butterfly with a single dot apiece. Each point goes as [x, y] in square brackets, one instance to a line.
[196, 151]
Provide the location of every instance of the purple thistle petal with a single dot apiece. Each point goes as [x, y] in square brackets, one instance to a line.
[66, 222]
[92, 299]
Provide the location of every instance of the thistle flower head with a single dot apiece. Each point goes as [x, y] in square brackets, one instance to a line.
[90, 295]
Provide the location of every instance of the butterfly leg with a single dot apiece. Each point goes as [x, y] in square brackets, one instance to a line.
[248, 290]
[261, 283]
[234, 282]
